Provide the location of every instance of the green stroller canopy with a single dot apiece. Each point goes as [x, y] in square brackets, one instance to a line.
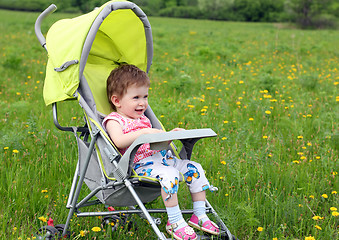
[93, 44]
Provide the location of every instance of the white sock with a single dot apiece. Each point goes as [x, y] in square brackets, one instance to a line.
[199, 209]
[175, 215]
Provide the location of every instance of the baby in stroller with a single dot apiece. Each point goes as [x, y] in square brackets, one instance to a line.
[127, 91]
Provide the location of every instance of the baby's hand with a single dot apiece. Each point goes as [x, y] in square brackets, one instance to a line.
[177, 129]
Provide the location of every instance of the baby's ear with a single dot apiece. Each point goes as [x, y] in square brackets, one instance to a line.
[115, 100]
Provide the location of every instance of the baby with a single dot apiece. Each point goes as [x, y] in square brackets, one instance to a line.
[127, 91]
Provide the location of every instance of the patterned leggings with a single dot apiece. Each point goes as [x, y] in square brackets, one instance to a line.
[169, 170]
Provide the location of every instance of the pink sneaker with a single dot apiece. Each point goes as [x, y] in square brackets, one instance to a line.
[208, 226]
[184, 233]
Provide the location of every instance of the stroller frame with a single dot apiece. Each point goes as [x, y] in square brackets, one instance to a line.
[119, 166]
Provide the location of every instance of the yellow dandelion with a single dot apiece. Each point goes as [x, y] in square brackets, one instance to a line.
[334, 192]
[264, 137]
[15, 151]
[251, 119]
[268, 112]
[223, 162]
[225, 121]
[318, 227]
[335, 214]
[260, 229]
[42, 219]
[44, 191]
[317, 218]
[309, 238]
[6, 148]
[300, 137]
[333, 209]
[324, 195]
[96, 229]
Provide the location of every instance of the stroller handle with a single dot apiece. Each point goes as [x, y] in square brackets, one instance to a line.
[48, 11]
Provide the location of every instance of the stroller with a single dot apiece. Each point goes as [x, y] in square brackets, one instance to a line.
[82, 51]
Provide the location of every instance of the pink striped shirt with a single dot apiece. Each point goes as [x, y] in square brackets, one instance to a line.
[133, 125]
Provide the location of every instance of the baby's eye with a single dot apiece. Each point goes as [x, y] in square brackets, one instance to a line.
[136, 97]
[146, 96]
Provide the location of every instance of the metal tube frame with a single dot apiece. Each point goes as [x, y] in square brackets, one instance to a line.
[80, 181]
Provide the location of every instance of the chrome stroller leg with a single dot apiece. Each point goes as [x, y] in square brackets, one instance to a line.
[220, 222]
[83, 170]
[144, 210]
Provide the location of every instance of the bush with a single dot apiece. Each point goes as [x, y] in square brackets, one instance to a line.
[181, 12]
[27, 5]
[324, 21]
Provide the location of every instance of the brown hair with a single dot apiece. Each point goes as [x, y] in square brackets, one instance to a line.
[123, 77]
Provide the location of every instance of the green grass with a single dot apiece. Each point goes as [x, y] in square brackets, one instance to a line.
[270, 93]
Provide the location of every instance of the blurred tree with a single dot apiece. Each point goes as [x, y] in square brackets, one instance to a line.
[312, 13]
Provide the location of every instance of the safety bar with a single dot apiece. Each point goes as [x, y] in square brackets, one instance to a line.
[159, 141]
[48, 11]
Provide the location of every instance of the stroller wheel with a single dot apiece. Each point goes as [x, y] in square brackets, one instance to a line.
[60, 228]
[226, 237]
[48, 232]
[112, 221]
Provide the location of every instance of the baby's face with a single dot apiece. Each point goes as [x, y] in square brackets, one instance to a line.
[134, 103]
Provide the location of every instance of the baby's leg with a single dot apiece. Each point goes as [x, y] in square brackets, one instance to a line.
[197, 182]
[199, 196]
[169, 202]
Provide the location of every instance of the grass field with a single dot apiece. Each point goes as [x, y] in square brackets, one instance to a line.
[269, 92]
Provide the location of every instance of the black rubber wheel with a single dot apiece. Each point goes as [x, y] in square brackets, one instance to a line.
[131, 225]
[113, 221]
[225, 237]
[48, 233]
[60, 228]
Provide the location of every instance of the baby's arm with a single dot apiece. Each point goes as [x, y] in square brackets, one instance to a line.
[122, 140]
